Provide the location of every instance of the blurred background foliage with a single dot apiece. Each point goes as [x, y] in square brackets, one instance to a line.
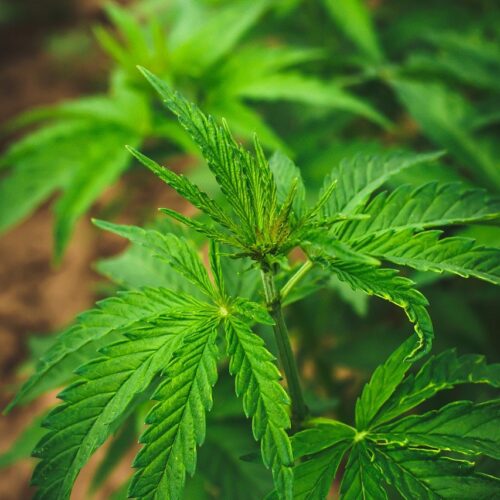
[317, 79]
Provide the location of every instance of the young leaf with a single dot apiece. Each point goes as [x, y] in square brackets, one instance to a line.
[177, 421]
[246, 182]
[285, 173]
[186, 189]
[204, 228]
[263, 399]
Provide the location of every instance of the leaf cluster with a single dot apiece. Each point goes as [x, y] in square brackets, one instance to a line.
[429, 455]
[165, 344]
[76, 148]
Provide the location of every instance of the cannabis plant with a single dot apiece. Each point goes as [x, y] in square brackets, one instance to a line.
[170, 344]
[76, 151]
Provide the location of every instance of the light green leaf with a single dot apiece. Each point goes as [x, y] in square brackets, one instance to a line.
[295, 87]
[177, 252]
[246, 121]
[241, 276]
[22, 446]
[255, 62]
[471, 59]
[254, 311]
[286, 173]
[427, 252]
[137, 268]
[216, 36]
[328, 248]
[257, 382]
[429, 205]
[177, 421]
[64, 154]
[186, 189]
[80, 342]
[124, 107]
[130, 29]
[90, 181]
[322, 434]
[93, 404]
[43, 162]
[245, 180]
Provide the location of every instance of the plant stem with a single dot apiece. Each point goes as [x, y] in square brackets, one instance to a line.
[285, 353]
[303, 270]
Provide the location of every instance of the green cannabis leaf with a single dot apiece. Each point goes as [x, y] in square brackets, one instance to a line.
[409, 453]
[168, 342]
[177, 422]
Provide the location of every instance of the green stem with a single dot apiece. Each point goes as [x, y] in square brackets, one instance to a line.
[303, 270]
[285, 353]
